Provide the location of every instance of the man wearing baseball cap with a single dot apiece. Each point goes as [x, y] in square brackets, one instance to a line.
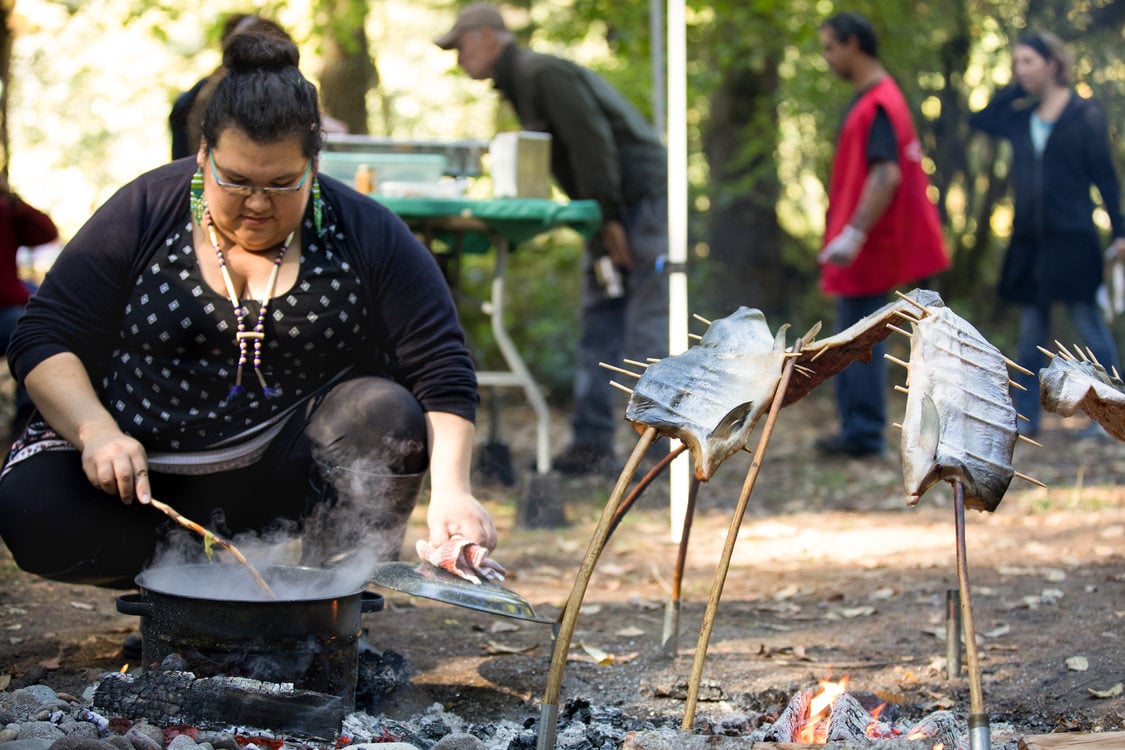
[602, 149]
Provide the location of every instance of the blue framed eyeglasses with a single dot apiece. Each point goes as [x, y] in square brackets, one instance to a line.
[245, 191]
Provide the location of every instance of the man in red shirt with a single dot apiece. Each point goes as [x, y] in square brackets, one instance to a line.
[881, 231]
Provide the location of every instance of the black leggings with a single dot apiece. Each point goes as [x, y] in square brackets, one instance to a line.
[344, 471]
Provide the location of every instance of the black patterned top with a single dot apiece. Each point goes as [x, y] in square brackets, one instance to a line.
[170, 376]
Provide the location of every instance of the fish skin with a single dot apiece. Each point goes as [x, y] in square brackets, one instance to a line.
[830, 356]
[712, 396]
[960, 422]
[1067, 385]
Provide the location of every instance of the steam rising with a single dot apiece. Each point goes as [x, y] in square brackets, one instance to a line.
[359, 511]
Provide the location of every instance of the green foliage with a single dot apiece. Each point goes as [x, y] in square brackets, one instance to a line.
[543, 286]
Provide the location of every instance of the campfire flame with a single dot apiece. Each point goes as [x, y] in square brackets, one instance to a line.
[816, 724]
[814, 730]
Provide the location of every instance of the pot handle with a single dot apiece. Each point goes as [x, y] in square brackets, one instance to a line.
[134, 604]
[370, 602]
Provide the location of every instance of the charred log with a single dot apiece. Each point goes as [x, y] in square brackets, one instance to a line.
[171, 697]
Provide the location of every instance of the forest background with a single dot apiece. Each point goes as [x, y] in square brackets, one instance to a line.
[87, 86]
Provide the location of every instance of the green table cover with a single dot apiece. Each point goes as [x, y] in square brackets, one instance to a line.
[516, 219]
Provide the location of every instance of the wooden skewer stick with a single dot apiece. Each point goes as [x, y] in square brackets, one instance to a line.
[1078, 350]
[701, 319]
[1115, 373]
[1014, 384]
[819, 352]
[1020, 368]
[1063, 349]
[900, 389]
[1026, 478]
[1093, 358]
[1048, 352]
[917, 304]
[1026, 439]
[695, 336]
[620, 387]
[621, 370]
[896, 329]
[190, 524]
[808, 372]
[896, 425]
[905, 315]
[652, 360]
[897, 361]
[1020, 416]
[635, 363]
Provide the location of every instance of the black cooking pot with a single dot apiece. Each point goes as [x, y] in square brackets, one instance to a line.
[219, 622]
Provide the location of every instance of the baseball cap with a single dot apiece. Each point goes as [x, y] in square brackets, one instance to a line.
[478, 15]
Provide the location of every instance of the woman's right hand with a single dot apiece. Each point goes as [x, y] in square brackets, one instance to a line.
[118, 465]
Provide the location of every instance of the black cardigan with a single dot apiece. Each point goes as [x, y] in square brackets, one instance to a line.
[1055, 251]
[413, 321]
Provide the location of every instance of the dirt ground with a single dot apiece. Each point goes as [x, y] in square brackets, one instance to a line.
[832, 575]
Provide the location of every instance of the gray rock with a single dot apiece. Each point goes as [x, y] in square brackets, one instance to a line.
[39, 730]
[377, 746]
[19, 706]
[218, 740]
[119, 742]
[459, 742]
[9, 733]
[79, 729]
[80, 743]
[182, 742]
[42, 693]
[142, 739]
[32, 744]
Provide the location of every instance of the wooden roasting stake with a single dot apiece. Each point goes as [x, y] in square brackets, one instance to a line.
[979, 731]
[549, 712]
[187, 523]
[1073, 741]
[728, 545]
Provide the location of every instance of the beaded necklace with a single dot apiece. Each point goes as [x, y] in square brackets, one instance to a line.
[241, 313]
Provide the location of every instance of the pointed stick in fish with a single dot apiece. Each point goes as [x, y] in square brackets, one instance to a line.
[1026, 478]
[701, 319]
[620, 370]
[1020, 368]
[620, 387]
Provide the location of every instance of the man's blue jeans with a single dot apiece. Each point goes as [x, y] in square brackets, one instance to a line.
[861, 389]
[1035, 331]
[633, 326]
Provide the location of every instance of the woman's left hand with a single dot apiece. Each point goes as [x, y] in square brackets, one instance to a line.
[460, 514]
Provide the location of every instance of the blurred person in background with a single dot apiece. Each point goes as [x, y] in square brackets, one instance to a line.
[21, 225]
[257, 345]
[602, 149]
[1060, 148]
[881, 230]
[186, 118]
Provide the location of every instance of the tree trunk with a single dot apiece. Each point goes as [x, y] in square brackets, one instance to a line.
[744, 235]
[349, 71]
[6, 8]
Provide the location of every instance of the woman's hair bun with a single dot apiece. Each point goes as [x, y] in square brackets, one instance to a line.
[250, 51]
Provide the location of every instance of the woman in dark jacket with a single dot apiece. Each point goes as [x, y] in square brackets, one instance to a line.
[1060, 148]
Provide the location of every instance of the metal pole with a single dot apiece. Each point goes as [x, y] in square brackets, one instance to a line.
[980, 737]
[952, 634]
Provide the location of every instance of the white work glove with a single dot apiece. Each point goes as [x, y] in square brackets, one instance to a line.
[463, 558]
[843, 248]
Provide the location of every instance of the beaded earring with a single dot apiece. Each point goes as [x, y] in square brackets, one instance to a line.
[197, 203]
[318, 206]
